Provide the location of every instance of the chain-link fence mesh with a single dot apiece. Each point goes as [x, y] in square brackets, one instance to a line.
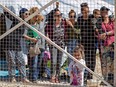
[57, 43]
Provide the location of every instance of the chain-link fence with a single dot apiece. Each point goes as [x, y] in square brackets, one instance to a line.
[57, 43]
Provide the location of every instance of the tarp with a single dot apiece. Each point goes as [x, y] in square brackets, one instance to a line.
[65, 5]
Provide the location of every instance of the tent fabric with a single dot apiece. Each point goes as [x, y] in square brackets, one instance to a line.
[65, 5]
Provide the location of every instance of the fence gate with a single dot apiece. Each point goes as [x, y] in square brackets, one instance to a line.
[57, 43]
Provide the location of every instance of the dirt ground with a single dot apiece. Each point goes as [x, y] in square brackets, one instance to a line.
[93, 83]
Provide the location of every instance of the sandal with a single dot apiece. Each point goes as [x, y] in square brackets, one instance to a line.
[57, 80]
[53, 79]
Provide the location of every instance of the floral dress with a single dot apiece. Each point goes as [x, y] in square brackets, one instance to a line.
[76, 72]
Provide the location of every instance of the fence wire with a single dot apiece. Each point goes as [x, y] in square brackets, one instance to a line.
[61, 47]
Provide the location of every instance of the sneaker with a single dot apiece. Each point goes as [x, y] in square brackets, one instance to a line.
[36, 82]
[13, 80]
[85, 81]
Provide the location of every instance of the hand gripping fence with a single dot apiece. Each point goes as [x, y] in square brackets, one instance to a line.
[46, 38]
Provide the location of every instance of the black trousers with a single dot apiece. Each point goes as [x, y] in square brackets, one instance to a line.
[90, 58]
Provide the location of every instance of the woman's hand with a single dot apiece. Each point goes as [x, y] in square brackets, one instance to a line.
[103, 36]
[71, 75]
[34, 40]
[69, 23]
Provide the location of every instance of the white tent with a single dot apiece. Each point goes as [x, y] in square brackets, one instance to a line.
[65, 5]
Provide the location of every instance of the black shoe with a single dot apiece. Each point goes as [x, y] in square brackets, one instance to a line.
[85, 82]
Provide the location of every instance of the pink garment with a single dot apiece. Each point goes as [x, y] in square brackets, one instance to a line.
[109, 27]
[76, 73]
[47, 56]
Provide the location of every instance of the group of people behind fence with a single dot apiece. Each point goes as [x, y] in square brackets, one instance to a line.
[82, 36]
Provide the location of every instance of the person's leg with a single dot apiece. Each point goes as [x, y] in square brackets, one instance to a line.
[88, 62]
[35, 70]
[37, 67]
[10, 56]
[53, 64]
[40, 66]
[93, 58]
[58, 66]
[70, 47]
[106, 62]
[51, 67]
[30, 62]
[21, 65]
[69, 50]
[90, 58]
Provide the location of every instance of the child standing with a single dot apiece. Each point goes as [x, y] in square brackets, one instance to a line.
[76, 70]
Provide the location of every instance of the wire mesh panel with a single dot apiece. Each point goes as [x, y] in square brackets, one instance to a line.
[50, 43]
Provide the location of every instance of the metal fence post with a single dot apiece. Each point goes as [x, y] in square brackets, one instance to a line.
[115, 49]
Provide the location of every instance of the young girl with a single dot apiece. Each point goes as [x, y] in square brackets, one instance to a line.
[76, 71]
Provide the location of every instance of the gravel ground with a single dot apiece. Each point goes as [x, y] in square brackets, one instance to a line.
[41, 84]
